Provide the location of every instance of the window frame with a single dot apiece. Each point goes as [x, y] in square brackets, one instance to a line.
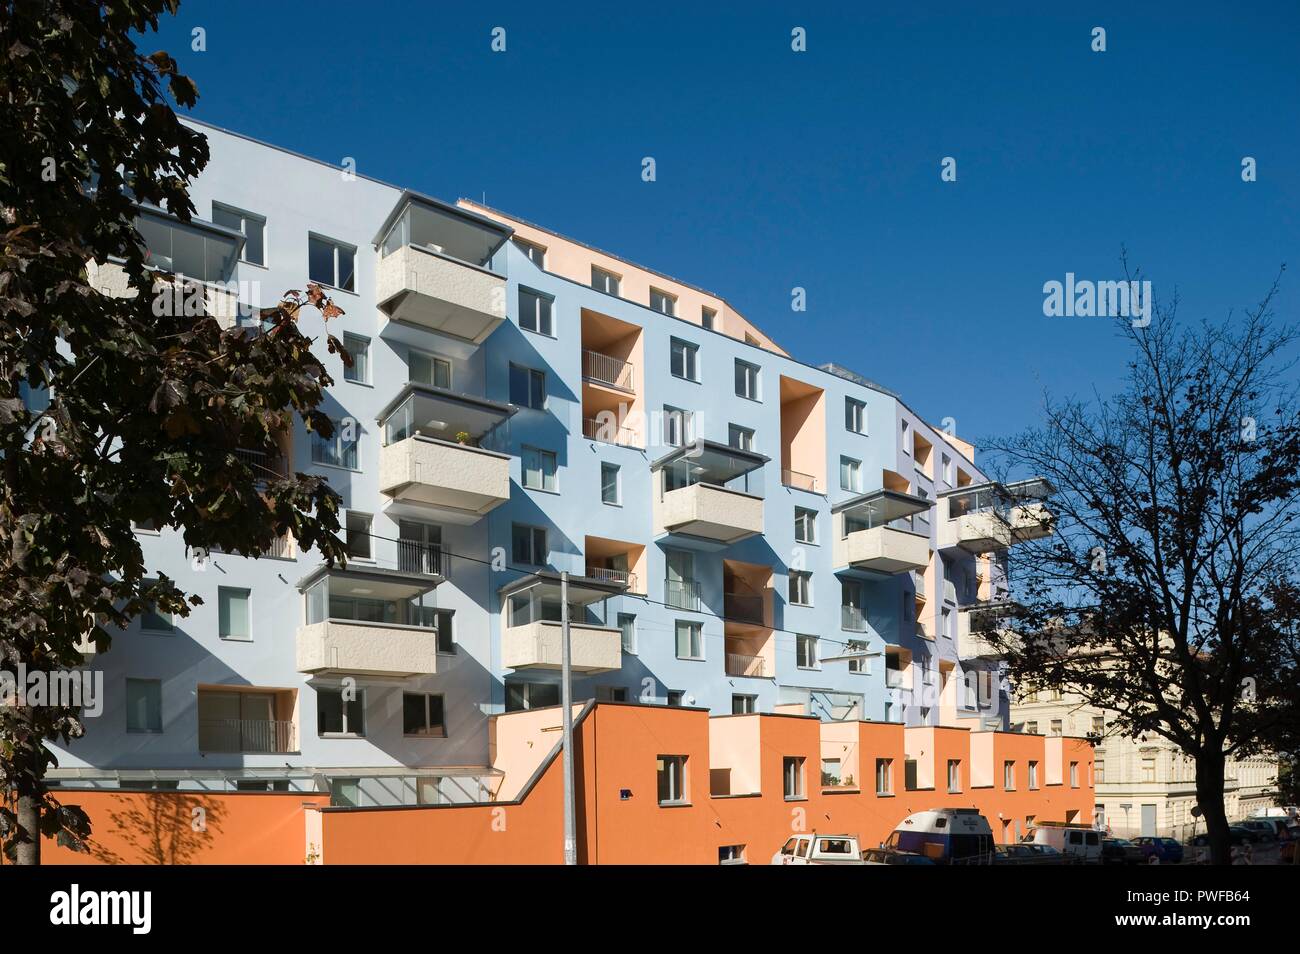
[855, 411]
[809, 516]
[244, 216]
[695, 642]
[155, 685]
[336, 246]
[427, 697]
[668, 299]
[690, 359]
[346, 732]
[806, 654]
[757, 378]
[805, 584]
[618, 483]
[248, 614]
[364, 363]
[541, 454]
[540, 297]
[530, 377]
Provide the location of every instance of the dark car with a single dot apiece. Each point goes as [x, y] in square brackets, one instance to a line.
[888, 856]
[1163, 851]
[1265, 832]
[1237, 838]
[1121, 851]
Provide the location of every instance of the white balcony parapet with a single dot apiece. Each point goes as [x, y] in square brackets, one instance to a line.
[374, 649]
[538, 645]
[883, 549]
[717, 513]
[443, 474]
[424, 287]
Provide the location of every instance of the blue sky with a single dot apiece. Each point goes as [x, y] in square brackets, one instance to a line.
[822, 169]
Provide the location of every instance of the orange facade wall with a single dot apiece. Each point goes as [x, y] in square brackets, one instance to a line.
[189, 828]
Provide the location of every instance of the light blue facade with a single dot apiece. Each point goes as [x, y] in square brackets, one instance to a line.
[297, 196]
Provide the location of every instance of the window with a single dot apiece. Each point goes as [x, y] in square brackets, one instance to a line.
[535, 253]
[674, 697]
[1074, 775]
[805, 525]
[851, 474]
[945, 463]
[690, 640]
[627, 630]
[1009, 776]
[945, 622]
[527, 387]
[153, 620]
[1148, 772]
[611, 694]
[1098, 725]
[528, 544]
[907, 444]
[857, 664]
[884, 776]
[602, 280]
[359, 349]
[1056, 727]
[792, 777]
[428, 369]
[746, 380]
[663, 302]
[707, 317]
[422, 715]
[741, 438]
[954, 775]
[336, 715]
[338, 450]
[1033, 776]
[345, 792]
[531, 695]
[331, 263]
[539, 468]
[801, 587]
[832, 772]
[731, 855]
[358, 534]
[1031, 728]
[611, 491]
[743, 705]
[446, 635]
[1099, 771]
[672, 779]
[535, 312]
[805, 651]
[252, 226]
[679, 426]
[683, 359]
[143, 705]
[232, 613]
[855, 415]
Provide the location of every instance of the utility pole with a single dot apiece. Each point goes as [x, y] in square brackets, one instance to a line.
[566, 743]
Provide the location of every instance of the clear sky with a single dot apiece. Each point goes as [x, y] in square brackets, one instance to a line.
[821, 169]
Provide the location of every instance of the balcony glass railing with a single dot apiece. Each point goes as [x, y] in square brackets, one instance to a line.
[792, 478]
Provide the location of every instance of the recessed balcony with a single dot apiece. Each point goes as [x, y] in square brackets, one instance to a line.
[872, 533]
[432, 456]
[434, 272]
[709, 492]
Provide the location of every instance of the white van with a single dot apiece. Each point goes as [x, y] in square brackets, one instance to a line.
[947, 836]
[1076, 842]
[817, 849]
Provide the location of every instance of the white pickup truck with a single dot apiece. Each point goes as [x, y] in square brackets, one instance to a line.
[815, 849]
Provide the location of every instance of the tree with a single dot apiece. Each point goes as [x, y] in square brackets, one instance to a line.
[147, 402]
[1166, 591]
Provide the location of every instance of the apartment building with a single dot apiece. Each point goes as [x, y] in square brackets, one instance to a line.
[1144, 786]
[742, 532]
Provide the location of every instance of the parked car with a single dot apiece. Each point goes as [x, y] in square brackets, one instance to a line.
[887, 856]
[1160, 851]
[817, 849]
[1076, 842]
[1265, 829]
[1237, 838]
[1026, 854]
[948, 836]
[1121, 851]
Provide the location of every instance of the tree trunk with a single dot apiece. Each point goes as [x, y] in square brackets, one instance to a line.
[27, 840]
[1209, 797]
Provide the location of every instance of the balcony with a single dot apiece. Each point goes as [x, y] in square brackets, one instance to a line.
[263, 465]
[419, 465]
[247, 736]
[744, 608]
[683, 594]
[869, 536]
[980, 532]
[609, 431]
[608, 371]
[798, 481]
[537, 645]
[993, 516]
[709, 492]
[623, 578]
[434, 269]
[367, 649]
[1030, 522]
[975, 623]
[746, 667]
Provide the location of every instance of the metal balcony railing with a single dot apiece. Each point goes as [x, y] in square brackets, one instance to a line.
[623, 577]
[682, 594]
[609, 433]
[247, 735]
[604, 369]
[853, 619]
[264, 466]
[792, 478]
[754, 667]
[418, 557]
[743, 607]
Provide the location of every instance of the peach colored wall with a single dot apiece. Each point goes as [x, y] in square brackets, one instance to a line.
[803, 435]
[150, 828]
[518, 742]
[733, 754]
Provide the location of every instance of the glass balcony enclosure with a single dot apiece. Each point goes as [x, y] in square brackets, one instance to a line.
[880, 508]
[374, 596]
[432, 413]
[196, 249]
[712, 464]
[445, 230]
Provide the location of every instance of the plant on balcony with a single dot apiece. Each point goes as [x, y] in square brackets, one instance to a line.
[148, 404]
[462, 437]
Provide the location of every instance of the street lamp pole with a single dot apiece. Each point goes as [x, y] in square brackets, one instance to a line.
[566, 705]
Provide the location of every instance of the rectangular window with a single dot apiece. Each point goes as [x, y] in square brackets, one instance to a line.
[539, 468]
[954, 775]
[1148, 770]
[336, 715]
[422, 715]
[428, 369]
[535, 312]
[152, 620]
[792, 777]
[627, 632]
[345, 792]
[1098, 725]
[358, 534]
[358, 349]
[857, 664]
[611, 694]
[252, 226]
[446, 634]
[338, 450]
[331, 263]
[731, 855]
[741, 438]
[143, 705]
[671, 771]
[528, 544]
[611, 491]
[679, 426]
[746, 380]
[801, 587]
[602, 280]
[905, 435]
[683, 359]
[536, 253]
[851, 475]
[1009, 776]
[1074, 775]
[531, 695]
[743, 705]
[707, 317]
[690, 640]
[232, 613]
[805, 651]
[663, 302]
[805, 525]
[1099, 771]
[945, 463]
[884, 776]
[855, 415]
[527, 387]
[1056, 727]
[832, 772]
[1033, 776]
